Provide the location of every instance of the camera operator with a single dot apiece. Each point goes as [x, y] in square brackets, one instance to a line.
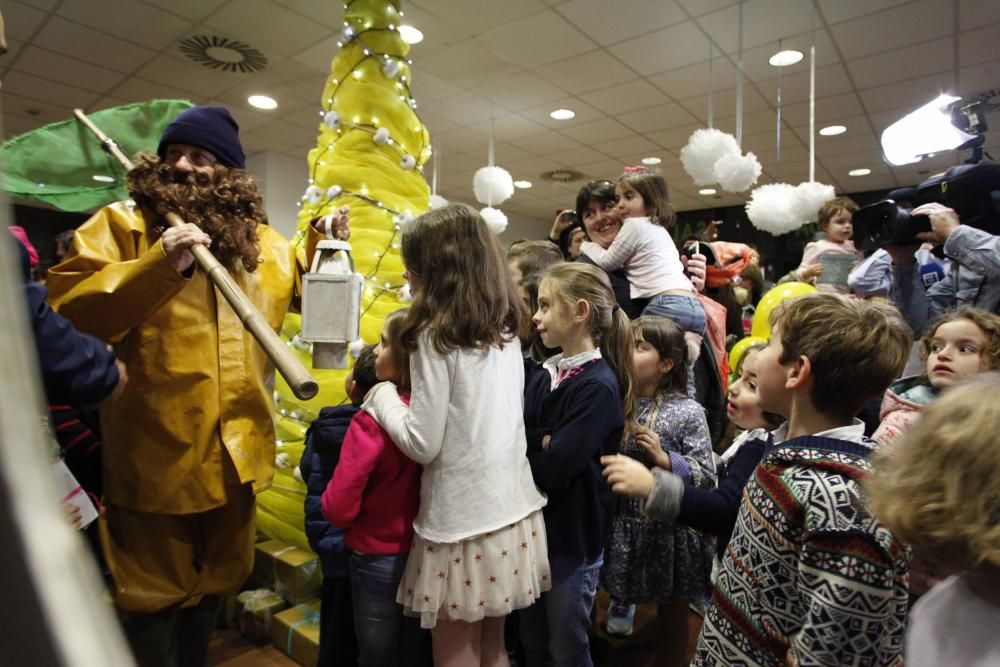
[973, 278]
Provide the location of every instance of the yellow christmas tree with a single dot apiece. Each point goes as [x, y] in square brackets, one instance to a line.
[368, 154]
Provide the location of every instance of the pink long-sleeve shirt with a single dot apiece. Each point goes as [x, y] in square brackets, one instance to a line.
[375, 491]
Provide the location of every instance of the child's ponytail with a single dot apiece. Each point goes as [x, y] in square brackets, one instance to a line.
[609, 325]
[618, 349]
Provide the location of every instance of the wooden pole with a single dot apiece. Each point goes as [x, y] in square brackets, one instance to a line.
[301, 382]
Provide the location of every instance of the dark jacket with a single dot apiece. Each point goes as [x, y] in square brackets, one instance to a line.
[76, 369]
[324, 439]
[584, 417]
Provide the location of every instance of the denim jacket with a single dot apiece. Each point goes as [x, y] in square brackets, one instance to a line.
[973, 280]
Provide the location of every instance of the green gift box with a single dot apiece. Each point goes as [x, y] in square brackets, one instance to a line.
[296, 633]
[290, 572]
[256, 613]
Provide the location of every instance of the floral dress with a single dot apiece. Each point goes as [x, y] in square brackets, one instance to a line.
[649, 560]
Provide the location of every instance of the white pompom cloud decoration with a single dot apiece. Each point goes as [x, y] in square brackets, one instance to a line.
[492, 185]
[712, 156]
[495, 219]
[779, 208]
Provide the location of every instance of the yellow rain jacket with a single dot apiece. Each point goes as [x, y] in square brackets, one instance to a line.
[197, 378]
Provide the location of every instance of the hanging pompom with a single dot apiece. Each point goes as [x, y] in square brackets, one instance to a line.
[332, 120]
[437, 201]
[333, 191]
[495, 219]
[736, 173]
[381, 136]
[314, 194]
[703, 150]
[408, 162]
[355, 347]
[809, 196]
[492, 186]
[405, 294]
[770, 209]
[390, 68]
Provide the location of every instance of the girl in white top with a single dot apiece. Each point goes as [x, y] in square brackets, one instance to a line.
[650, 258]
[938, 489]
[480, 545]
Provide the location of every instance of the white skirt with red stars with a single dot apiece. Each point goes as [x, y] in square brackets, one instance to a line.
[487, 575]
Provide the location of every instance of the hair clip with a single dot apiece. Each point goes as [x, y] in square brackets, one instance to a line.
[634, 170]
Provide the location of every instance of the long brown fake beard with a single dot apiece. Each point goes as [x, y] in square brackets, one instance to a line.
[226, 205]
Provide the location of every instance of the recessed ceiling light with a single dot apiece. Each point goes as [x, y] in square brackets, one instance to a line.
[262, 102]
[785, 58]
[101, 178]
[832, 130]
[706, 191]
[410, 34]
[859, 172]
[524, 185]
[651, 160]
[562, 114]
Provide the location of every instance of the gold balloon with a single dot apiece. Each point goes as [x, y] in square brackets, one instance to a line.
[760, 326]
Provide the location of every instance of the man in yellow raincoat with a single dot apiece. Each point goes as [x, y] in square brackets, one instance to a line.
[191, 440]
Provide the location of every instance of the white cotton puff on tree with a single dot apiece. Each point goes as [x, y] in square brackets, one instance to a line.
[369, 147]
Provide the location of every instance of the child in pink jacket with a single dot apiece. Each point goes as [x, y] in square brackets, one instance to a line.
[374, 495]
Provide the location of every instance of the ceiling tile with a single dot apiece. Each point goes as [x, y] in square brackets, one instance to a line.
[467, 64]
[612, 22]
[286, 132]
[608, 168]
[71, 71]
[576, 156]
[193, 10]
[139, 90]
[844, 162]
[686, 82]
[510, 126]
[330, 14]
[186, 75]
[760, 26]
[832, 109]
[906, 63]
[676, 46]
[520, 91]
[970, 45]
[504, 153]
[638, 94]
[141, 24]
[621, 148]
[29, 109]
[73, 39]
[596, 131]
[21, 21]
[536, 40]
[459, 139]
[534, 165]
[978, 78]
[724, 104]
[588, 71]
[757, 68]
[467, 108]
[52, 92]
[584, 113]
[845, 10]
[975, 13]
[478, 17]
[912, 93]
[676, 138]
[830, 80]
[910, 24]
[428, 89]
[320, 55]
[44, 5]
[545, 143]
[662, 116]
[699, 7]
[266, 26]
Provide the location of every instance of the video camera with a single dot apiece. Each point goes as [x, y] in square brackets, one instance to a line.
[972, 190]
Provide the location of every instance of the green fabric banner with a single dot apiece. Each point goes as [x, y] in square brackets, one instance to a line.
[63, 164]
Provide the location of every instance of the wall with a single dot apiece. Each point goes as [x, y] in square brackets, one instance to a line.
[282, 180]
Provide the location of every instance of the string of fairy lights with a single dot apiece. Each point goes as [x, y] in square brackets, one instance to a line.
[391, 66]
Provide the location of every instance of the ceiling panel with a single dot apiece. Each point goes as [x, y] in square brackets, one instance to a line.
[670, 48]
[587, 71]
[615, 100]
[536, 40]
[520, 91]
[92, 46]
[142, 24]
[72, 71]
[894, 28]
[266, 26]
[613, 22]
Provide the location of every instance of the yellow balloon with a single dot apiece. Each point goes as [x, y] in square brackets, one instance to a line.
[737, 352]
[760, 326]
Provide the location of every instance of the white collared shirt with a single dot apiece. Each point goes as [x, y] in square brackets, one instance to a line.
[560, 365]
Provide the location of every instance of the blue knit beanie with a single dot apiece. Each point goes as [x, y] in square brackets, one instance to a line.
[211, 128]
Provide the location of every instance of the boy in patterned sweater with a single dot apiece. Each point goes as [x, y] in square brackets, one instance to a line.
[810, 577]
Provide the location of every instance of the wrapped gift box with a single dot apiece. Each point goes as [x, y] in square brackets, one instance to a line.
[256, 613]
[289, 571]
[296, 633]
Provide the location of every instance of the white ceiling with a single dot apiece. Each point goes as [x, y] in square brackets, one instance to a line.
[635, 71]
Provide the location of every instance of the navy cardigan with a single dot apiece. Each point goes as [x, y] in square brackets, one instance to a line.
[585, 419]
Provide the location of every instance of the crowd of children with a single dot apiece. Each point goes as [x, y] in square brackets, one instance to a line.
[527, 443]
